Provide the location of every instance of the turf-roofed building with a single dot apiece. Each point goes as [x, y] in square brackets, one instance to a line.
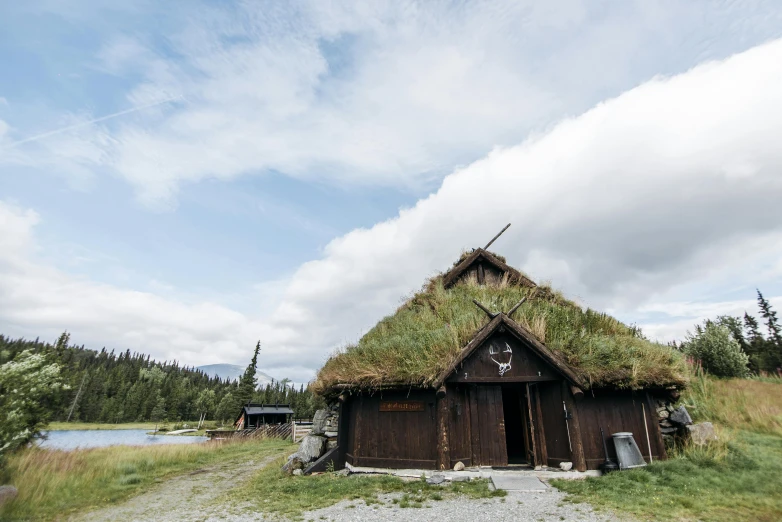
[487, 368]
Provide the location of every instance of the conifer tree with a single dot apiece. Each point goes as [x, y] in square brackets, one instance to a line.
[248, 382]
[772, 323]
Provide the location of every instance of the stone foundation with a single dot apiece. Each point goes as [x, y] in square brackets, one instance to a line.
[322, 438]
[676, 425]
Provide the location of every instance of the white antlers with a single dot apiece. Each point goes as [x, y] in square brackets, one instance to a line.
[504, 367]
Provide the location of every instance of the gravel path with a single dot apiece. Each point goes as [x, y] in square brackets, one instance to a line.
[516, 506]
[186, 498]
[191, 498]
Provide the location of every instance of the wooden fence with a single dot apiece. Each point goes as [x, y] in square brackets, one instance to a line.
[295, 430]
[301, 430]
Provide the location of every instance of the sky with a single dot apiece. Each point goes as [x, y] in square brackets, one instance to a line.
[186, 178]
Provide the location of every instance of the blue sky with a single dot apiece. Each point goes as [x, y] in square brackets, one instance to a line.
[185, 178]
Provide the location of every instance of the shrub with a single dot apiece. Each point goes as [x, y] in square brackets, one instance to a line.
[27, 384]
[717, 350]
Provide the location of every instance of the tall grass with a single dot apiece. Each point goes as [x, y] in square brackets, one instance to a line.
[748, 404]
[736, 478]
[53, 483]
[425, 335]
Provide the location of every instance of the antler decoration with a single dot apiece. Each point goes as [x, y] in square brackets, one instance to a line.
[504, 367]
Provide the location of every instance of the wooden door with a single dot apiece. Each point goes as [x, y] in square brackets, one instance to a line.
[487, 421]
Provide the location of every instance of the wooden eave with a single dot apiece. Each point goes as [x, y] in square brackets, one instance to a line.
[453, 274]
[523, 335]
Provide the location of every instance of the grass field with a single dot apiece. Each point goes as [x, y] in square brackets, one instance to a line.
[54, 484]
[738, 478]
[271, 491]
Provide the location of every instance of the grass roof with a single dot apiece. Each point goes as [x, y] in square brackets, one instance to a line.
[425, 335]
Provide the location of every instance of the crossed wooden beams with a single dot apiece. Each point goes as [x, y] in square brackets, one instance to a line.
[492, 315]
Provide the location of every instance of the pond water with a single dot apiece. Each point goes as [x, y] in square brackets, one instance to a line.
[72, 439]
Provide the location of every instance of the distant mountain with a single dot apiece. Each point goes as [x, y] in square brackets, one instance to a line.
[232, 372]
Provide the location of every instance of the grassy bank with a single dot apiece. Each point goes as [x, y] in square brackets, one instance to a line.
[270, 491]
[735, 479]
[56, 483]
[70, 426]
[150, 426]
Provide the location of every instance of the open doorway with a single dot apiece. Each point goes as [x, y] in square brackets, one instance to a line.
[517, 433]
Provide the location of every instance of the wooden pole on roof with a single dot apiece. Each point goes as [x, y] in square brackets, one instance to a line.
[516, 306]
[488, 312]
[495, 237]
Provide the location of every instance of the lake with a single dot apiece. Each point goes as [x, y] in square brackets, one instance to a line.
[72, 439]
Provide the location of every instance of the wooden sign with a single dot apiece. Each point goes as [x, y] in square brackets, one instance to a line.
[402, 406]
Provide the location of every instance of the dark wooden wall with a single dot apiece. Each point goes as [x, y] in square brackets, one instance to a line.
[484, 273]
[617, 411]
[459, 425]
[554, 427]
[392, 439]
[475, 425]
[526, 366]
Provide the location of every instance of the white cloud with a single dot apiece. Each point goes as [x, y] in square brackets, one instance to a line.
[38, 298]
[391, 94]
[623, 206]
[619, 206]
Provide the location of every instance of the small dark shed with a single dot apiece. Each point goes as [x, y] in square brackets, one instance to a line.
[439, 382]
[257, 415]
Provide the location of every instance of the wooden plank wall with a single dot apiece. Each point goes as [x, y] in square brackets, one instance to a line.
[616, 411]
[459, 425]
[553, 420]
[491, 276]
[491, 425]
[393, 439]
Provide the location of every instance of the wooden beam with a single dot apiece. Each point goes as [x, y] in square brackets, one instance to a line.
[541, 430]
[481, 274]
[516, 307]
[482, 335]
[542, 350]
[532, 428]
[488, 312]
[577, 454]
[578, 393]
[443, 448]
[322, 464]
[495, 237]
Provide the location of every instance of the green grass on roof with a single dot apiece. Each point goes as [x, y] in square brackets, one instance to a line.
[426, 334]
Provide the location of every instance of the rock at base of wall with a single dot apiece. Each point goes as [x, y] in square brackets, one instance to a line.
[311, 448]
[319, 422]
[331, 444]
[7, 493]
[459, 466]
[681, 416]
[702, 433]
[294, 463]
[298, 472]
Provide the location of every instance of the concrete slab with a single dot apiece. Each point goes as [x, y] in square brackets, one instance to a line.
[473, 473]
[516, 482]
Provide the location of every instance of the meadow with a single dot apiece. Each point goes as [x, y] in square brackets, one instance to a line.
[736, 478]
[53, 484]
